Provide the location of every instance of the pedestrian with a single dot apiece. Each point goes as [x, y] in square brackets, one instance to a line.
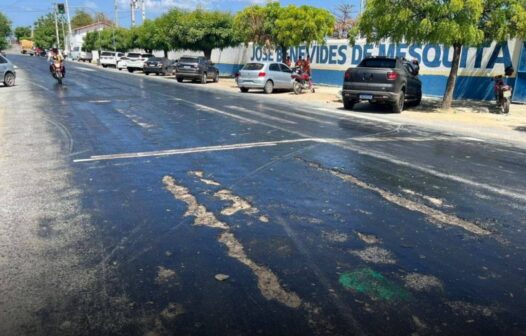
[299, 63]
[288, 61]
[307, 70]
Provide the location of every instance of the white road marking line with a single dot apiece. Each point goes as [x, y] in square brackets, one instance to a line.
[102, 101]
[259, 114]
[134, 119]
[301, 116]
[200, 149]
[472, 139]
[356, 115]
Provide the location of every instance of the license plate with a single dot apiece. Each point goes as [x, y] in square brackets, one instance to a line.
[506, 94]
[187, 67]
[366, 97]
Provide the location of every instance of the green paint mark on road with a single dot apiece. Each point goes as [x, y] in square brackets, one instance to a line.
[369, 282]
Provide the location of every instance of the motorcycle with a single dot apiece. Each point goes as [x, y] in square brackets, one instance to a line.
[503, 91]
[58, 73]
[301, 81]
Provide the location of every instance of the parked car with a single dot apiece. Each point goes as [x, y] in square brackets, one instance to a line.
[159, 66]
[136, 61]
[196, 68]
[7, 72]
[266, 76]
[385, 80]
[122, 63]
[110, 58]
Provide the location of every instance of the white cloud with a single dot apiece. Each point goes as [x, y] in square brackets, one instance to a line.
[163, 5]
[90, 4]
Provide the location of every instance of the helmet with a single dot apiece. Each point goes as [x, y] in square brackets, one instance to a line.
[55, 50]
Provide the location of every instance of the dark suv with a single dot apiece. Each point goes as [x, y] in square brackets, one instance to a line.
[392, 81]
[196, 68]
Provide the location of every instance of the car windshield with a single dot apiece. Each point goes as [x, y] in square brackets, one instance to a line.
[378, 63]
[147, 55]
[134, 55]
[155, 59]
[188, 60]
[107, 53]
[253, 66]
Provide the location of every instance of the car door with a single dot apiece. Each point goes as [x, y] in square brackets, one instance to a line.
[412, 81]
[287, 75]
[3, 68]
[276, 75]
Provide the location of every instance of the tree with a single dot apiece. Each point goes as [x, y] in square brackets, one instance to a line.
[44, 34]
[453, 23]
[303, 25]
[150, 36]
[22, 33]
[344, 21]
[81, 19]
[207, 30]
[273, 26]
[5, 30]
[107, 39]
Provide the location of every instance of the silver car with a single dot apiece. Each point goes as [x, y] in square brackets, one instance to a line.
[7, 72]
[265, 76]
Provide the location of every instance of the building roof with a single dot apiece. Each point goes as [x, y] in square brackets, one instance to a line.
[94, 26]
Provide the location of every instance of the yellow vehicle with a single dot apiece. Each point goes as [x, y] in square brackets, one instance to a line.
[27, 47]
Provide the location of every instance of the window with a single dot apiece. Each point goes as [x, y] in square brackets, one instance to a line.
[409, 68]
[253, 66]
[285, 68]
[2, 60]
[188, 60]
[134, 55]
[274, 67]
[378, 63]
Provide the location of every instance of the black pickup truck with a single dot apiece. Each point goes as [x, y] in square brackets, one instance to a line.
[392, 81]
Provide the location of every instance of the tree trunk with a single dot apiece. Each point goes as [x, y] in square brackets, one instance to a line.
[284, 55]
[165, 53]
[452, 79]
[208, 53]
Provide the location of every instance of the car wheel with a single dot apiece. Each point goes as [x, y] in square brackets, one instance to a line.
[204, 78]
[244, 89]
[269, 87]
[348, 104]
[216, 78]
[398, 106]
[130, 70]
[147, 73]
[418, 99]
[9, 79]
[104, 66]
[180, 79]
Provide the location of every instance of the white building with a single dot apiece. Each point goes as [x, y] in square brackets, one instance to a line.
[77, 40]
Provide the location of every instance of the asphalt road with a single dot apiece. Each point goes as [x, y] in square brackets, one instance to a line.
[140, 206]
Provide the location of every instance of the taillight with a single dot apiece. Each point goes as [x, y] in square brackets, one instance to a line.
[392, 75]
[347, 75]
[262, 74]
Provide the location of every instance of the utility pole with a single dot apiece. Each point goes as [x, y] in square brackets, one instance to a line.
[116, 12]
[70, 32]
[56, 24]
[143, 8]
[133, 8]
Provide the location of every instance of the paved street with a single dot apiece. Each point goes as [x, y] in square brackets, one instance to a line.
[135, 206]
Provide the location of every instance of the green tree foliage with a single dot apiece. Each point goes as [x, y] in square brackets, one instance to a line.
[107, 39]
[44, 34]
[207, 30]
[150, 36]
[454, 23]
[22, 33]
[274, 26]
[81, 19]
[5, 30]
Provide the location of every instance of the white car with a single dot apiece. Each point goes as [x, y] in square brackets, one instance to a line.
[122, 63]
[110, 58]
[7, 72]
[136, 61]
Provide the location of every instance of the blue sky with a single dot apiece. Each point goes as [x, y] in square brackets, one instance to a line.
[25, 12]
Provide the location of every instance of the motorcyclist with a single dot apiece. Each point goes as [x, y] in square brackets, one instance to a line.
[55, 56]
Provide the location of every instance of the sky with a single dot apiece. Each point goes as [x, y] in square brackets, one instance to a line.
[25, 12]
